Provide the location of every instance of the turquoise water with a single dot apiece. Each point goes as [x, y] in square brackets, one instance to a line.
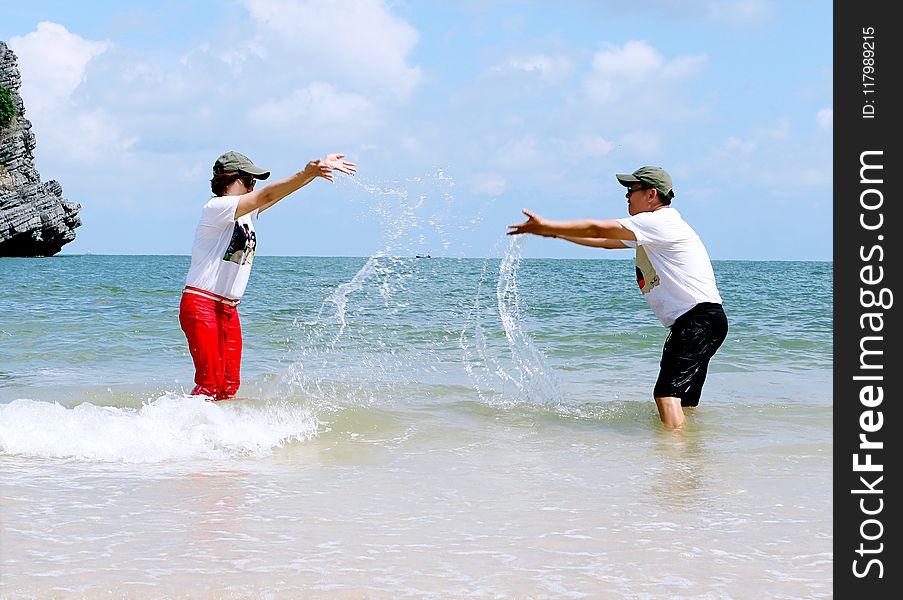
[411, 428]
[83, 321]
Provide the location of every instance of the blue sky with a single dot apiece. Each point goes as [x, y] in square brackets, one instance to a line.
[457, 113]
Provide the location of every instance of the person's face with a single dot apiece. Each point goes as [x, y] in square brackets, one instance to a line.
[639, 199]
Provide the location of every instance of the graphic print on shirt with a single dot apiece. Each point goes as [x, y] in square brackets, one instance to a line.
[646, 277]
[241, 248]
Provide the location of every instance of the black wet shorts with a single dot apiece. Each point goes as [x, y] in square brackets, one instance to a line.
[695, 337]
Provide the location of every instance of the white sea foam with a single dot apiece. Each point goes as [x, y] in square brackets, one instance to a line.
[172, 427]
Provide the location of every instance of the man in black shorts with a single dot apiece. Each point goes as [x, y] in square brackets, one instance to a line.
[674, 273]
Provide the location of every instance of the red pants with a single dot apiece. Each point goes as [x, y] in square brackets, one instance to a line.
[214, 340]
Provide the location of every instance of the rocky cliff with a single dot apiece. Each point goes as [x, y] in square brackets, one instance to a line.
[35, 219]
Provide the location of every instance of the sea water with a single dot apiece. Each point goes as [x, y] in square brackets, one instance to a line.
[410, 428]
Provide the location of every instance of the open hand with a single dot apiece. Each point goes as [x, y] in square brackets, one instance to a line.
[325, 166]
[534, 224]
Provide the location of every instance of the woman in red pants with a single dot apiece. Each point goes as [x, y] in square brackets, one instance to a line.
[221, 257]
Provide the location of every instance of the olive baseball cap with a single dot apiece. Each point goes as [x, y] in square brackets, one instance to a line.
[236, 161]
[655, 177]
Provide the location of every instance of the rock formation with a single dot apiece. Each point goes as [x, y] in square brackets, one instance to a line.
[35, 219]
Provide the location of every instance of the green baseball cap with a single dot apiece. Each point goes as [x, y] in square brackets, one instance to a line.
[236, 161]
[655, 177]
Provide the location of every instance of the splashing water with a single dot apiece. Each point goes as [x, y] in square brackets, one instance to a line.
[410, 220]
[529, 372]
[350, 359]
[399, 217]
[339, 297]
[534, 375]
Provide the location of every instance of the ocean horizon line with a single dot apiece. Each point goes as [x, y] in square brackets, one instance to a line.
[429, 256]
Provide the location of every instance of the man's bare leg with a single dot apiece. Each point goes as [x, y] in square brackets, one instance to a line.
[670, 411]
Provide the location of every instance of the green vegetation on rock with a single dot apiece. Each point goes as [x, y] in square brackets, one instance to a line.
[7, 107]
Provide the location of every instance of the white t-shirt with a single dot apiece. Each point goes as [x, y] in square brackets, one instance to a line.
[672, 265]
[223, 249]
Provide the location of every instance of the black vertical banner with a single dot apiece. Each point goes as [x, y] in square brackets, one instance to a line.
[868, 191]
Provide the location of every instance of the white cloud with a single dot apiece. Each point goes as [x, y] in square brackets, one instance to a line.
[735, 144]
[770, 156]
[642, 143]
[194, 172]
[760, 137]
[317, 103]
[684, 67]
[548, 68]
[825, 119]
[319, 113]
[593, 145]
[779, 130]
[632, 61]
[52, 62]
[615, 69]
[86, 137]
[521, 153]
[309, 69]
[359, 41]
[488, 184]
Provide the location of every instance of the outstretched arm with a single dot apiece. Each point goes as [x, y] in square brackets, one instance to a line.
[596, 242]
[267, 196]
[611, 230]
